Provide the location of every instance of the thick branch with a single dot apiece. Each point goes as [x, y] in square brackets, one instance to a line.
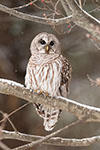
[34, 18]
[57, 141]
[12, 88]
[82, 18]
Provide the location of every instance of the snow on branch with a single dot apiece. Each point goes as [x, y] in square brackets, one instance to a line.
[57, 141]
[80, 110]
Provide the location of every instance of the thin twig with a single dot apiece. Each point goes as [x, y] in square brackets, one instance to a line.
[57, 141]
[10, 114]
[34, 18]
[5, 118]
[3, 146]
[95, 9]
[94, 82]
[30, 145]
[80, 3]
[2, 126]
[96, 45]
[66, 7]
[82, 18]
[14, 128]
[26, 5]
[84, 2]
[79, 17]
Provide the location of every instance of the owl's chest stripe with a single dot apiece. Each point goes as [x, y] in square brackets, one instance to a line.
[47, 77]
[34, 78]
[45, 74]
[51, 81]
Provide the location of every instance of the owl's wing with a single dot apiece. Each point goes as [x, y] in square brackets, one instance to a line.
[65, 77]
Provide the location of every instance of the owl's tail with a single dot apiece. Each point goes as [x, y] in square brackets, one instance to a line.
[50, 116]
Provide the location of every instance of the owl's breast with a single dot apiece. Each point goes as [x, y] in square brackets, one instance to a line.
[46, 77]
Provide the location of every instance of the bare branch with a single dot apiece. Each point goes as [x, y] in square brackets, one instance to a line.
[34, 143]
[94, 82]
[97, 2]
[82, 18]
[3, 146]
[57, 141]
[66, 7]
[49, 136]
[26, 5]
[79, 17]
[33, 18]
[2, 126]
[10, 114]
[80, 110]
[5, 118]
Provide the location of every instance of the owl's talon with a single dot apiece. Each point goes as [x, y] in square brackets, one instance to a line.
[36, 91]
[47, 94]
[40, 92]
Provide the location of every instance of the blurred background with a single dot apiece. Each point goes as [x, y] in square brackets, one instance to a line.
[15, 38]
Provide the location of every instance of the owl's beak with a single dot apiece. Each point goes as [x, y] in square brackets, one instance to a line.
[47, 48]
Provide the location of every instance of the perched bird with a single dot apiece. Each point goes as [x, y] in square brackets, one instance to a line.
[49, 72]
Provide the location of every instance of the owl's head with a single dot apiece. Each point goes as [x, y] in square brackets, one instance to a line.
[45, 43]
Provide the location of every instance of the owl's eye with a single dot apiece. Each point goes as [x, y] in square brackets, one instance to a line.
[51, 43]
[42, 42]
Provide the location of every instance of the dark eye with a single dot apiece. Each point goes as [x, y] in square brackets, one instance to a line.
[42, 42]
[51, 43]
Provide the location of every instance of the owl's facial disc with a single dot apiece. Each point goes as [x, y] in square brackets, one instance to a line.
[47, 47]
[45, 43]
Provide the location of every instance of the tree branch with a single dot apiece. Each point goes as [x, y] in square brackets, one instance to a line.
[3, 146]
[81, 18]
[57, 141]
[47, 137]
[66, 7]
[33, 18]
[80, 110]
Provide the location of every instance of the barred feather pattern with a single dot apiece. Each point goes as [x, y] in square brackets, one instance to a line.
[50, 74]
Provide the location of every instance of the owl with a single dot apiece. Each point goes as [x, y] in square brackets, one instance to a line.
[48, 72]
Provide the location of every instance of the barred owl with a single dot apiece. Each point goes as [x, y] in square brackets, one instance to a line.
[47, 71]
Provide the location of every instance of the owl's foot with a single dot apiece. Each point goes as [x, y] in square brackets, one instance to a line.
[47, 94]
[44, 93]
[41, 92]
[38, 91]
